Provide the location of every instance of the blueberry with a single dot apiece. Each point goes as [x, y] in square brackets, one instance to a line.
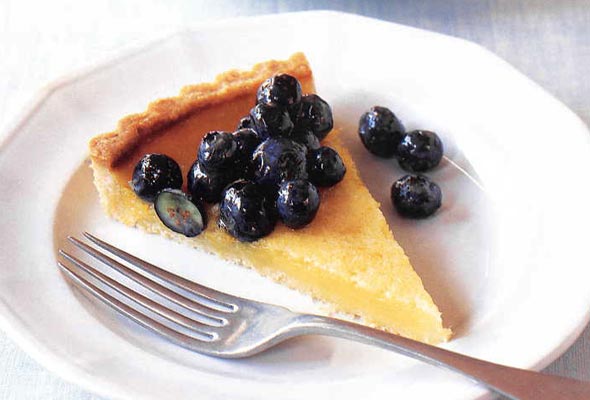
[271, 121]
[245, 212]
[315, 115]
[281, 90]
[278, 159]
[245, 122]
[207, 185]
[218, 151]
[247, 140]
[419, 151]
[297, 203]
[325, 167]
[307, 138]
[415, 196]
[153, 173]
[381, 131]
[179, 213]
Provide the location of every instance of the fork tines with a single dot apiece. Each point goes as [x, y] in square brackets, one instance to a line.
[204, 312]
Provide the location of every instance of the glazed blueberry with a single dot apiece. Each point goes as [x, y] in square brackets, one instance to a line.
[415, 196]
[179, 213]
[247, 140]
[245, 212]
[325, 167]
[307, 138]
[271, 121]
[278, 159]
[315, 115]
[245, 122]
[297, 203]
[153, 173]
[218, 151]
[419, 151]
[381, 131]
[281, 90]
[207, 185]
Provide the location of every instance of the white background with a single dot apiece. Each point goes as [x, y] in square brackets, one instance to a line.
[43, 40]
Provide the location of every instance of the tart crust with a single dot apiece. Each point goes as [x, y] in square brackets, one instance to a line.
[109, 148]
[347, 257]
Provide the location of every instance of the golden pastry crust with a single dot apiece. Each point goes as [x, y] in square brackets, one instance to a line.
[109, 148]
[347, 257]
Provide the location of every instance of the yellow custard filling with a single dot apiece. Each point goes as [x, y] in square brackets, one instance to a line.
[347, 257]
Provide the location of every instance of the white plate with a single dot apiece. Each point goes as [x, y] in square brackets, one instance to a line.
[507, 264]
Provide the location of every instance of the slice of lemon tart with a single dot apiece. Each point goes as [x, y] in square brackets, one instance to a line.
[346, 257]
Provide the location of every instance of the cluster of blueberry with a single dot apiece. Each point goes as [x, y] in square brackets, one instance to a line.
[383, 134]
[267, 170]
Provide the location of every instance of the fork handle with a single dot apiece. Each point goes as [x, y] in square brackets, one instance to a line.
[512, 382]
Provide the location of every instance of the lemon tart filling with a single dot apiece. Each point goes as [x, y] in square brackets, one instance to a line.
[346, 257]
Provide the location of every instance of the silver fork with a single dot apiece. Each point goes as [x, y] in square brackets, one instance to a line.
[228, 326]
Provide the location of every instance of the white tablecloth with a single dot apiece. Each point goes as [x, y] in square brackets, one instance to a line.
[42, 40]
